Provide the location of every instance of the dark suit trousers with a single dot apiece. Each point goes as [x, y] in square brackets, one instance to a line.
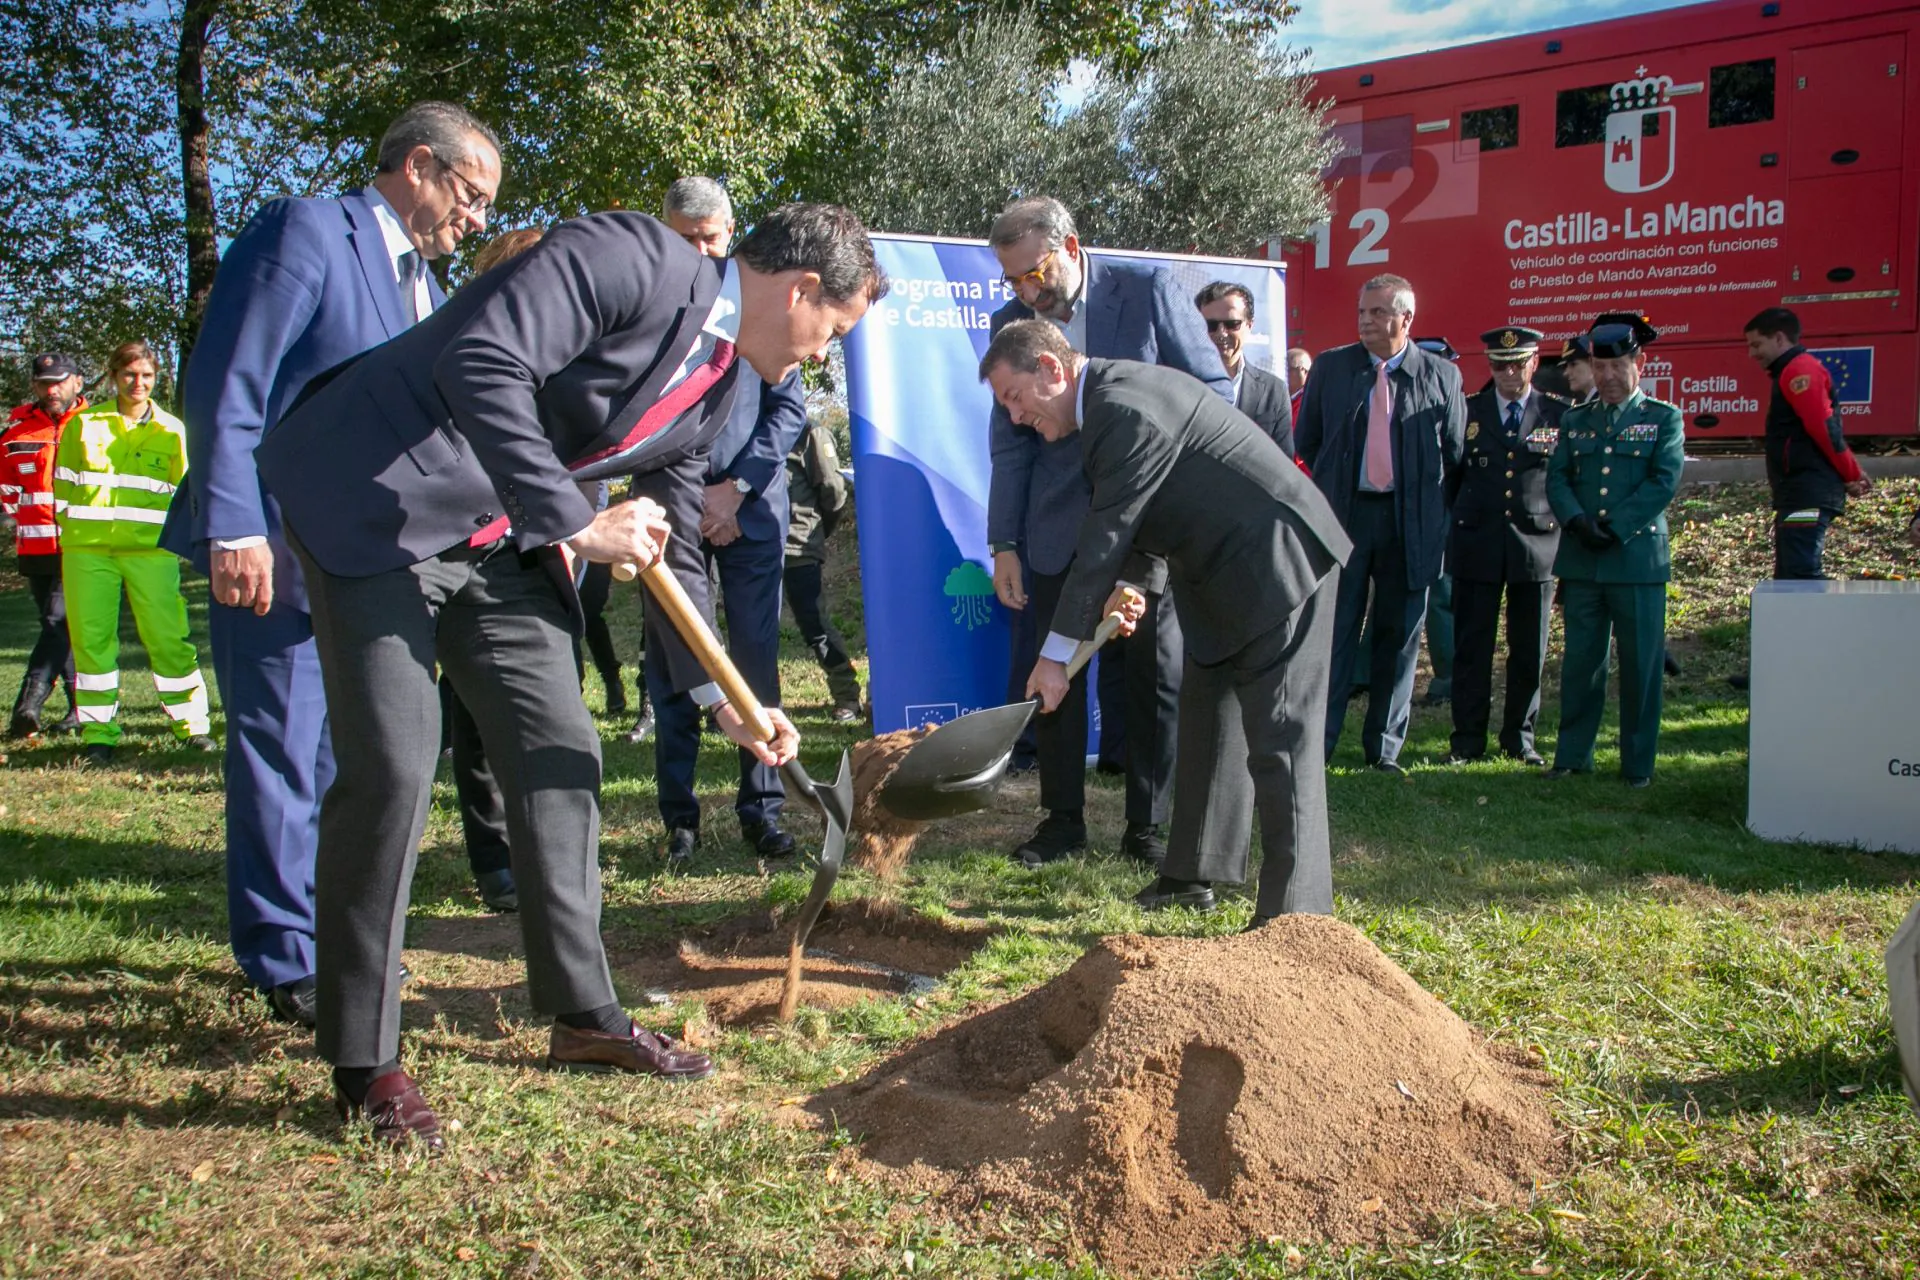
[1260, 714]
[1153, 656]
[1379, 557]
[500, 628]
[278, 764]
[52, 658]
[1476, 616]
[749, 572]
[483, 815]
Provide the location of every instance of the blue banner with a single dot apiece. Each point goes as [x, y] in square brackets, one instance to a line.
[937, 639]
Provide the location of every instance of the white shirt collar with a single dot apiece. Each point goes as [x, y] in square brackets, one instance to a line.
[723, 321]
[1504, 402]
[1393, 362]
[1080, 398]
[392, 231]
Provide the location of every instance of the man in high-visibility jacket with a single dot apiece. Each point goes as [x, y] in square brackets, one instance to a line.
[26, 494]
[114, 475]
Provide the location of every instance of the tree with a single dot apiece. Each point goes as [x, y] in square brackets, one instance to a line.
[1214, 146]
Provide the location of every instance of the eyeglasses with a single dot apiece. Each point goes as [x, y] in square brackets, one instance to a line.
[466, 194]
[1036, 276]
[1231, 326]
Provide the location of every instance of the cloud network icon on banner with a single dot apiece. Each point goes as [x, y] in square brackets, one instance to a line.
[1851, 369]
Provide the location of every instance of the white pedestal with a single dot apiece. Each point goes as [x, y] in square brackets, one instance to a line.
[1836, 714]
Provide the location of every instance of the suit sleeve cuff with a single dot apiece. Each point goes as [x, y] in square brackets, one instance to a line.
[1058, 648]
[239, 544]
[707, 696]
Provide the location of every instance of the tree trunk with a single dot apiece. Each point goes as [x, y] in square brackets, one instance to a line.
[203, 246]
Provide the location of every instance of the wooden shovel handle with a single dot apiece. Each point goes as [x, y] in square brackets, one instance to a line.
[1101, 634]
[686, 619]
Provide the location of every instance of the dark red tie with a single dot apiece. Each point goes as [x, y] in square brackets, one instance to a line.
[664, 413]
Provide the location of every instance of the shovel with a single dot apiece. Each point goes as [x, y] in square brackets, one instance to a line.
[954, 769]
[835, 803]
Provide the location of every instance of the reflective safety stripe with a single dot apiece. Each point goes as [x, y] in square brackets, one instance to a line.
[97, 684]
[39, 530]
[96, 715]
[1809, 516]
[179, 684]
[112, 480]
[191, 709]
[139, 515]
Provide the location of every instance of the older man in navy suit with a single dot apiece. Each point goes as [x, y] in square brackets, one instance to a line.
[307, 285]
[1113, 309]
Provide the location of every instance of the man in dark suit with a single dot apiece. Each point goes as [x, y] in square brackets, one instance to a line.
[1038, 495]
[741, 516]
[1299, 365]
[1188, 492]
[1228, 310]
[1381, 426]
[1504, 539]
[433, 490]
[306, 285]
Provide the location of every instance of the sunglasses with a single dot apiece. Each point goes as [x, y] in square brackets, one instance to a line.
[1231, 326]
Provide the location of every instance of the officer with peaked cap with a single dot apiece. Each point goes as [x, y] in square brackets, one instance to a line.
[1611, 476]
[1503, 542]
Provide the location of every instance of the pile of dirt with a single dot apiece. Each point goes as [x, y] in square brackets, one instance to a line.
[860, 950]
[1171, 1098]
[881, 842]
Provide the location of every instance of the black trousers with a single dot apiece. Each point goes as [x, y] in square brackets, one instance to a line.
[483, 815]
[1476, 619]
[804, 582]
[596, 584]
[1153, 657]
[1380, 559]
[52, 655]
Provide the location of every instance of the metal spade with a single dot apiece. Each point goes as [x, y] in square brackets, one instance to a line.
[954, 769]
[834, 803]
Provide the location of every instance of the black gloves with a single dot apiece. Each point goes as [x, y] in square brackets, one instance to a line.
[1594, 537]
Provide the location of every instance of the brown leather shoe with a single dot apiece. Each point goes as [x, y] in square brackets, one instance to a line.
[640, 1050]
[398, 1112]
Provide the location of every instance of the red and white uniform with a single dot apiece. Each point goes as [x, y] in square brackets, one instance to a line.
[26, 477]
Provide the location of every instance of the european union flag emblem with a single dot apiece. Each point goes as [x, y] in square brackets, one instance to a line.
[1852, 371]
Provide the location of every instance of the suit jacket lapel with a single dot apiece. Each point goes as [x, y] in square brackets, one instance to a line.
[371, 248]
[1103, 309]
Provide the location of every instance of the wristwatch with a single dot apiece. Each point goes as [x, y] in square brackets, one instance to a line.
[997, 547]
[741, 487]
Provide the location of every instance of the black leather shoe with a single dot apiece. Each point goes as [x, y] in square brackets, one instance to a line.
[293, 1002]
[1388, 766]
[1112, 768]
[69, 723]
[1639, 783]
[202, 742]
[1257, 923]
[1557, 773]
[768, 840]
[681, 842]
[1743, 681]
[1667, 663]
[1144, 843]
[1530, 758]
[498, 891]
[399, 1114]
[1056, 837]
[1166, 892]
[643, 727]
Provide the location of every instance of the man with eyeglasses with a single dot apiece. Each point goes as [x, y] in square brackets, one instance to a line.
[1381, 427]
[1109, 308]
[1613, 471]
[1228, 310]
[307, 285]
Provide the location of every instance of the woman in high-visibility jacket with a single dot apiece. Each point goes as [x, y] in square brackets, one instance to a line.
[113, 478]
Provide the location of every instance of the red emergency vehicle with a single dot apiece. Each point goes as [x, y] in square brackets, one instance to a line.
[1695, 165]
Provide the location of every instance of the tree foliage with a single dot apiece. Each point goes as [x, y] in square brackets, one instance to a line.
[1215, 145]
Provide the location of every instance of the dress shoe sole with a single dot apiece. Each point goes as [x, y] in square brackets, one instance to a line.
[1201, 901]
[607, 1069]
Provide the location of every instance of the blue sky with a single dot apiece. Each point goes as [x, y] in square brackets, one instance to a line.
[1341, 32]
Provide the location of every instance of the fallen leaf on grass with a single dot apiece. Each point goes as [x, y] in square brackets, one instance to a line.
[202, 1171]
[323, 1159]
[1571, 1215]
[465, 1254]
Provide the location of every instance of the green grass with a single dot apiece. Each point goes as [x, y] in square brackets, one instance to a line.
[1711, 1008]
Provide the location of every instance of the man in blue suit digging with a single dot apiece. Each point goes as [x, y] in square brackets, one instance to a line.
[306, 286]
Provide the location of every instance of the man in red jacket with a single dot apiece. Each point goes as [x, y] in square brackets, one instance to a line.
[1810, 470]
[26, 494]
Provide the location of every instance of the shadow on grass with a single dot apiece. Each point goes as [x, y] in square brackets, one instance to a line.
[100, 1010]
[1802, 1083]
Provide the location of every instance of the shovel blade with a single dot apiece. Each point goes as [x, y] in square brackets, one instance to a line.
[955, 769]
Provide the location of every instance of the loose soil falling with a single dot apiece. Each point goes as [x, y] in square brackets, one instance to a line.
[1171, 1098]
[881, 842]
[860, 950]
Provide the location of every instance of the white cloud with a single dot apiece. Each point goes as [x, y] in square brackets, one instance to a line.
[1343, 32]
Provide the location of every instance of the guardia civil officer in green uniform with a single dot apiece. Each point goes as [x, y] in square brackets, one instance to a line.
[1609, 481]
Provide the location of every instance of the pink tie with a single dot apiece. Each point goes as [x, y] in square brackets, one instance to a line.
[1379, 433]
[664, 413]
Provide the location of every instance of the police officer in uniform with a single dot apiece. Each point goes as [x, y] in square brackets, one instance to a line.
[1503, 541]
[1612, 474]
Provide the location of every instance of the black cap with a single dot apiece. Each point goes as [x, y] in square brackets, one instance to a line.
[1577, 348]
[1619, 333]
[1512, 343]
[51, 366]
[1437, 346]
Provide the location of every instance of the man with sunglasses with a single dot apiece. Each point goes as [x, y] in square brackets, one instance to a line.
[308, 285]
[1228, 310]
[1113, 309]
[1613, 471]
